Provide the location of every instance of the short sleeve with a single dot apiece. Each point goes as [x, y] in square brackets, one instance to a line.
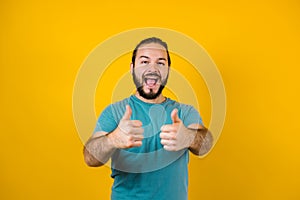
[107, 121]
[190, 115]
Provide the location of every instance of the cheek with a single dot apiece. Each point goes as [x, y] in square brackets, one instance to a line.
[138, 74]
[164, 73]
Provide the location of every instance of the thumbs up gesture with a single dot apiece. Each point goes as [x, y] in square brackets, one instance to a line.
[129, 133]
[175, 136]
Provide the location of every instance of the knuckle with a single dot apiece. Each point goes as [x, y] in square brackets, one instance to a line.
[128, 129]
[129, 144]
[138, 123]
[161, 135]
[168, 148]
[130, 138]
[140, 131]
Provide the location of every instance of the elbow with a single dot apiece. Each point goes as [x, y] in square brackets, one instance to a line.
[90, 160]
[207, 144]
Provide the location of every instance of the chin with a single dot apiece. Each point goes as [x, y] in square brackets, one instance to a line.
[150, 93]
[150, 90]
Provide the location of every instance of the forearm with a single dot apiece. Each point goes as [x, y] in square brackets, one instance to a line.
[202, 141]
[98, 150]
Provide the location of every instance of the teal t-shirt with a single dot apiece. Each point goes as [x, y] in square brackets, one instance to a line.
[149, 171]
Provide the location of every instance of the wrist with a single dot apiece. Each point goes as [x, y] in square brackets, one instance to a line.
[110, 140]
[191, 134]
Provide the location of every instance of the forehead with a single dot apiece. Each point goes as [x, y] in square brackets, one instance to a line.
[152, 49]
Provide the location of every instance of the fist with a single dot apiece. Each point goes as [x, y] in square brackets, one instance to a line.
[175, 137]
[129, 133]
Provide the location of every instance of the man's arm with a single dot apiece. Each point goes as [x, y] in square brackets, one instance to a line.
[203, 140]
[100, 147]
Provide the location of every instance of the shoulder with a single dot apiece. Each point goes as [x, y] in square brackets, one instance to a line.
[115, 108]
[118, 104]
[188, 113]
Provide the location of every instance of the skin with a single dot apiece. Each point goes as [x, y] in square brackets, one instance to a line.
[151, 59]
[151, 64]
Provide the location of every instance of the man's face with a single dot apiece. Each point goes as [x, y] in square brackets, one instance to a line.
[151, 70]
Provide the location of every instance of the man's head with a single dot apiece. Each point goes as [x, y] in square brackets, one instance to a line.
[150, 67]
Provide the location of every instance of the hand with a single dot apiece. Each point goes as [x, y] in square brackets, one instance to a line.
[176, 136]
[129, 133]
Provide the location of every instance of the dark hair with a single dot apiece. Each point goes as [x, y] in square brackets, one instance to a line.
[148, 41]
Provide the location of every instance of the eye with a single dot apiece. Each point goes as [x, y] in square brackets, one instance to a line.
[161, 64]
[144, 62]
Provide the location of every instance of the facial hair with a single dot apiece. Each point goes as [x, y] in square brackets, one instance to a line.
[151, 94]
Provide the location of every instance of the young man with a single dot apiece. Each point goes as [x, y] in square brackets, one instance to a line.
[148, 136]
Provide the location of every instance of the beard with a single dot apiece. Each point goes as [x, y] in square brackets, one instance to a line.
[151, 94]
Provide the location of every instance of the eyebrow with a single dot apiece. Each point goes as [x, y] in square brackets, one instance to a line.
[144, 57]
[149, 58]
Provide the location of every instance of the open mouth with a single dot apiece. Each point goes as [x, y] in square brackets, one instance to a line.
[151, 81]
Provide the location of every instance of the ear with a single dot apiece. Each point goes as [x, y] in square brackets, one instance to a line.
[131, 68]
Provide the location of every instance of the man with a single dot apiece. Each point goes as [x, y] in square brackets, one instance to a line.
[148, 136]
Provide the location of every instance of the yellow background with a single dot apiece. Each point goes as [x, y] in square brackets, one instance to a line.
[255, 45]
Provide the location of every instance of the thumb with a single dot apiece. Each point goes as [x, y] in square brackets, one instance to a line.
[174, 116]
[127, 113]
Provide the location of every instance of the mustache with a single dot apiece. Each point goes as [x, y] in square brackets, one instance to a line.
[152, 74]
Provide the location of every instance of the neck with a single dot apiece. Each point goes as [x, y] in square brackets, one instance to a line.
[157, 100]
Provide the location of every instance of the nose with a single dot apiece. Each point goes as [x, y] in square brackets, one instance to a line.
[152, 68]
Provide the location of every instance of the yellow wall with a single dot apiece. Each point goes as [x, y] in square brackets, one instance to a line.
[255, 45]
